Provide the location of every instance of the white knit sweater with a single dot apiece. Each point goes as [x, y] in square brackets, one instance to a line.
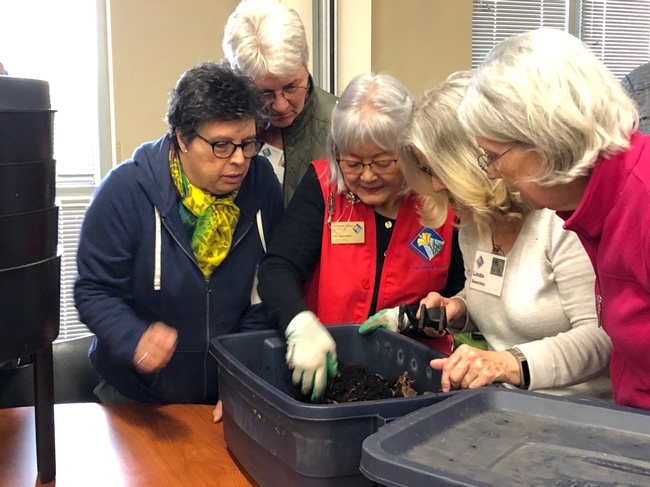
[546, 308]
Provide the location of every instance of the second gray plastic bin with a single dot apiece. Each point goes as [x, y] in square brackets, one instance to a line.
[495, 437]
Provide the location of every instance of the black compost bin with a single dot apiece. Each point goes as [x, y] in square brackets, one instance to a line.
[28, 237]
[28, 216]
[29, 264]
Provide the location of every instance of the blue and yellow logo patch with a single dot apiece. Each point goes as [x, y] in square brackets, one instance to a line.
[427, 244]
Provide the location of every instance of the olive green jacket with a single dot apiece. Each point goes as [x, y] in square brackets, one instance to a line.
[304, 140]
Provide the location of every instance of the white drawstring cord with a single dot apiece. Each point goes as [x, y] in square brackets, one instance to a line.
[157, 252]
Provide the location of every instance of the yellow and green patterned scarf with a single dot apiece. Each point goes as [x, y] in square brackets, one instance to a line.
[212, 218]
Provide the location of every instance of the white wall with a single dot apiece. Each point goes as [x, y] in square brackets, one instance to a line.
[354, 40]
[421, 42]
[152, 43]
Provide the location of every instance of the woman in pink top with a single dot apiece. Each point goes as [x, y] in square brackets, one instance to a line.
[558, 127]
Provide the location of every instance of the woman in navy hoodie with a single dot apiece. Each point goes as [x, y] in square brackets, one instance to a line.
[170, 244]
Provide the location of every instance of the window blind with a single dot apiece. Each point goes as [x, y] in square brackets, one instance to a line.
[71, 213]
[495, 20]
[618, 32]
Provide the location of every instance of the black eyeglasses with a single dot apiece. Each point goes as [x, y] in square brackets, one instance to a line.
[223, 149]
[290, 92]
[484, 161]
[355, 168]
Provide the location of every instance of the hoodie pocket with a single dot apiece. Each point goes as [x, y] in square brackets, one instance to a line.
[183, 379]
[148, 381]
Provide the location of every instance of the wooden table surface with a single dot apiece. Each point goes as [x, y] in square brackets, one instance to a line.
[124, 445]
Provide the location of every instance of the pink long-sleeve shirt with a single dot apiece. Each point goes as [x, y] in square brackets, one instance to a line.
[613, 223]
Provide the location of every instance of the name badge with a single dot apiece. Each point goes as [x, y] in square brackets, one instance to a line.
[488, 272]
[347, 233]
[276, 158]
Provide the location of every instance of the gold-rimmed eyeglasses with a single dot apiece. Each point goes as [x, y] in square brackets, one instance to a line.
[290, 92]
[356, 168]
[485, 161]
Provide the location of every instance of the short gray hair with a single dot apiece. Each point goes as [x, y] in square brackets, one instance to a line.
[373, 108]
[265, 37]
[451, 154]
[547, 90]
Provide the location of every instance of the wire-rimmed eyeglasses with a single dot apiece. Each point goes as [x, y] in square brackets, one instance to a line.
[223, 149]
[484, 161]
[356, 168]
[289, 92]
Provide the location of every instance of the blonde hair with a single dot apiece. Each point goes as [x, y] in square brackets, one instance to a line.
[450, 152]
[547, 90]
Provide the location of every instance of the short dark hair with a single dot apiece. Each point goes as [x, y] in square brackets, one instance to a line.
[212, 92]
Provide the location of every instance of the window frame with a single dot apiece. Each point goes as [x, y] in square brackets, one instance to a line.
[574, 9]
[71, 196]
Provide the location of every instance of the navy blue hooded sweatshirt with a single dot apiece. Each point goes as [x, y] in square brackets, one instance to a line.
[124, 284]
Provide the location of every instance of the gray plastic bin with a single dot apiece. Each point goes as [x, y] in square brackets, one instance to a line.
[282, 442]
[505, 438]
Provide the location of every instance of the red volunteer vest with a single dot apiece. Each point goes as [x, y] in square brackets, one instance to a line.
[416, 262]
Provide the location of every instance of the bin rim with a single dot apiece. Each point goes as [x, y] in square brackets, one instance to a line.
[315, 412]
[27, 110]
[59, 255]
[24, 163]
[57, 204]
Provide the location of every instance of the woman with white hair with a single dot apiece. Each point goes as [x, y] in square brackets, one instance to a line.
[557, 126]
[535, 307]
[351, 242]
[266, 40]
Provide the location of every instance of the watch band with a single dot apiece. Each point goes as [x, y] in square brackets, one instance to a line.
[524, 371]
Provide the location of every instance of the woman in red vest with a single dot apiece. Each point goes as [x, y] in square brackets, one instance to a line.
[351, 242]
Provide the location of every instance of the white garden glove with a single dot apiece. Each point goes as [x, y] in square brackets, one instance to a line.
[386, 318]
[311, 353]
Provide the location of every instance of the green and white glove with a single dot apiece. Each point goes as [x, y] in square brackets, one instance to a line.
[311, 353]
[386, 318]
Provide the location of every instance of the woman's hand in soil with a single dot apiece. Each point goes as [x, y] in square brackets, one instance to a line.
[386, 318]
[311, 353]
[455, 308]
[469, 368]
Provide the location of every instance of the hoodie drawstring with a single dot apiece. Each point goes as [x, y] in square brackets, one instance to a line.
[157, 252]
[255, 297]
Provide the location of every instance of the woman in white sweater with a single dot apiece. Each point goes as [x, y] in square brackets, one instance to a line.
[529, 283]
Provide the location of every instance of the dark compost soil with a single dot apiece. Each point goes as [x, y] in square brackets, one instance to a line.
[352, 383]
